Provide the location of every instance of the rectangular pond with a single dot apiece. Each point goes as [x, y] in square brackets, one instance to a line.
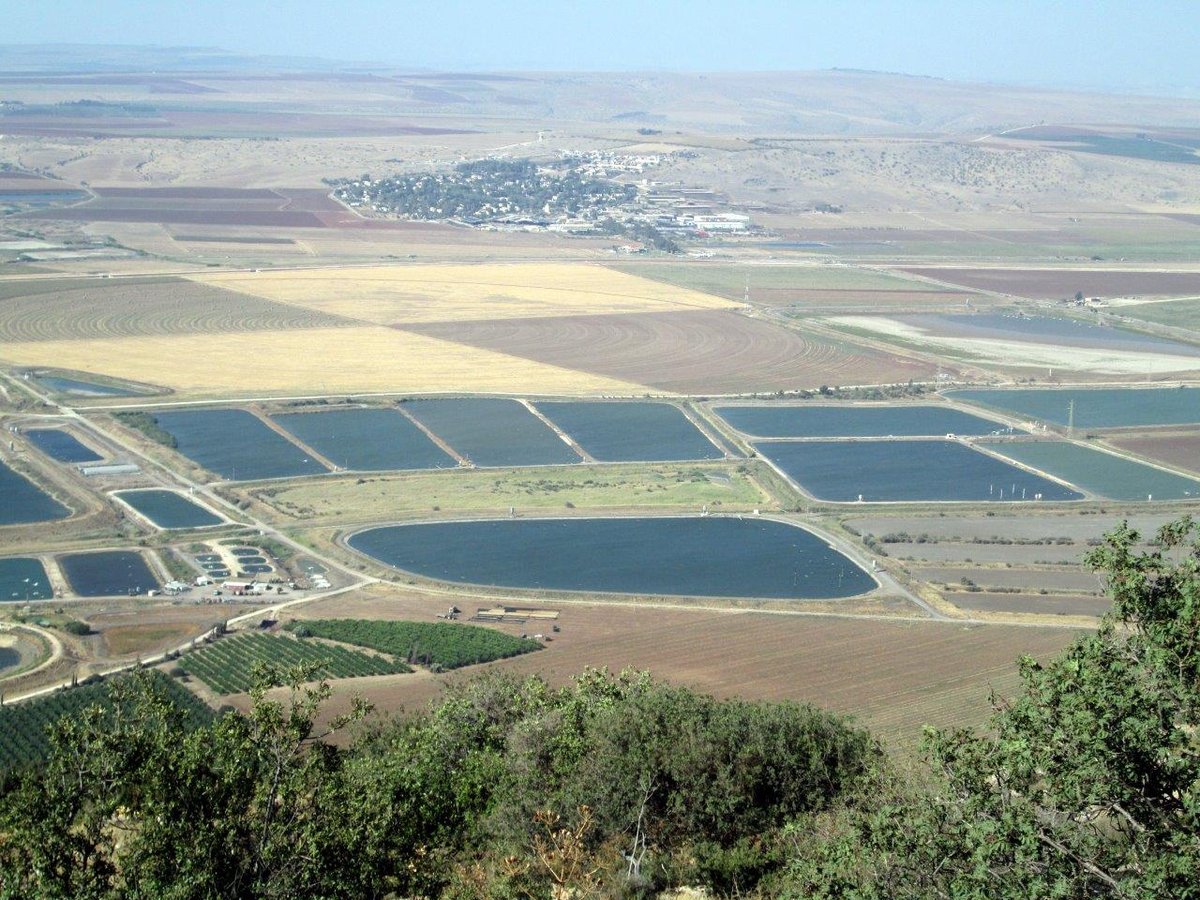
[61, 445]
[367, 439]
[23, 578]
[493, 432]
[632, 431]
[694, 556]
[1094, 407]
[107, 573]
[23, 501]
[1101, 473]
[855, 421]
[236, 444]
[169, 509]
[845, 471]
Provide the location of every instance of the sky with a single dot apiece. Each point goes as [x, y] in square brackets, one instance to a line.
[1129, 46]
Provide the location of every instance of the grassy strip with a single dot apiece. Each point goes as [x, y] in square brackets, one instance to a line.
[144, 422]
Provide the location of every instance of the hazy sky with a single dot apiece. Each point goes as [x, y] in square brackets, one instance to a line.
[1150, 44]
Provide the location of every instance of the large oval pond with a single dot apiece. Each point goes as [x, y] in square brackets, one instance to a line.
[700, 557]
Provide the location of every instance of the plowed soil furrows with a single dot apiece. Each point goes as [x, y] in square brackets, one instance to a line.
[107, 310]
[688, 352]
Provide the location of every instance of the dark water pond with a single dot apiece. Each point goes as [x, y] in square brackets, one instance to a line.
[843, 471]
[236, 445]
[714, 557]
[61, 445]
[22, 501]
[367, 439]
[107, 573]
[82, 388]
[854, 421]
[167, 509]
[631, 431]
[1048, 330]
[1101, 473]
[23, 578]
[493, 432]
[1095, 407]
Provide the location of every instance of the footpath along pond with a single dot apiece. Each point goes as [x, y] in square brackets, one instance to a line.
[687, 556]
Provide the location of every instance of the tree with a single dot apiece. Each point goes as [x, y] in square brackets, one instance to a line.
[1085, 785]
[1079, 296]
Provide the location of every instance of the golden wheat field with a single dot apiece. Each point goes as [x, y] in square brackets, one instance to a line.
[388, 295]
[310, 360]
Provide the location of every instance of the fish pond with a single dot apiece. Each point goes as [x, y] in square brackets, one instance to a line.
[235, 444]
[695, 556]
[845, 471]
[1094, 407]
[78, 388]
[61, 445]
[854, 421]
[367, 439]
[1101, 473]
[631, 431]
[23, 501]
[107, 573]
[168, 509]
[23, 578]
[493, 432]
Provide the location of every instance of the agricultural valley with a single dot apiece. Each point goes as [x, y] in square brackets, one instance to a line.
[404, 379]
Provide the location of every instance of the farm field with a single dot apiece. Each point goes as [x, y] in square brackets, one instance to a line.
[24, 727]
[24, 501]
[108, 573]
[1094, 407]
[1010, 554]
[1075, 580]
[492, 432]
[227, 666]
[235, 444]
[1177, 448]
[892, 676]
[168, 509]
[312, 360]
[803, 287]
[919, 470]
[445, 645]
[1101, 473]
[1055, 284]
[366, 439]
[715, 351]
[344, 500]
[676, 556]
[631, 431]
[55, 309]
[1030, 603]
[1044, 527]
[23, 578]
[789, 421]
[61, 445]
[390, 295]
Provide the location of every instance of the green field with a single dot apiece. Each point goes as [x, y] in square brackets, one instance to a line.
[440, 644]
[350, 500]
[25, 727]
[227, 666]
[1176, 313]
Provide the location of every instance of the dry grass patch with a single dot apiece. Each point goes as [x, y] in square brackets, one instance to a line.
[351, 500]
[392, 294]
[328, 360]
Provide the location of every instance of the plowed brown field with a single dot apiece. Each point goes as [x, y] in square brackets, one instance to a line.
[1180, 449]
[713, 351]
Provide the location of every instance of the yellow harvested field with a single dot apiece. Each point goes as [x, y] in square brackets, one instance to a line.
[387, 295]
[310, 360]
